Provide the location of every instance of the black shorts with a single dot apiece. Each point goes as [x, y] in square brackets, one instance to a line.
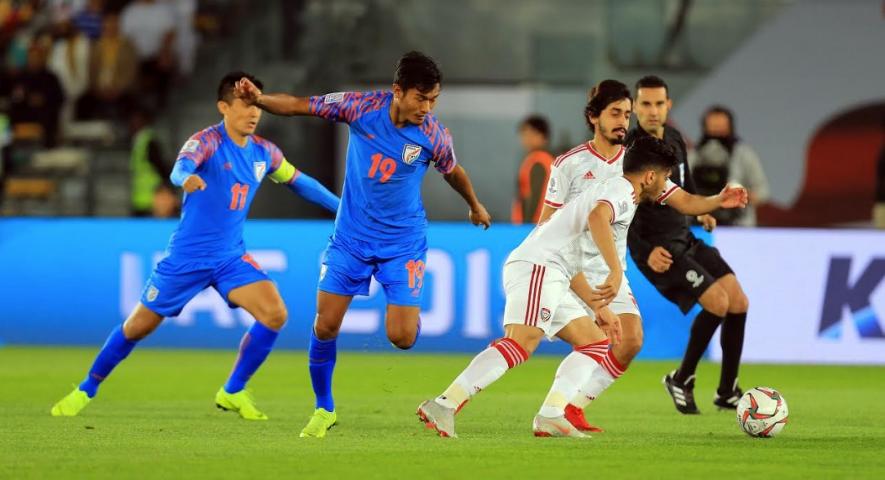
[690, 275]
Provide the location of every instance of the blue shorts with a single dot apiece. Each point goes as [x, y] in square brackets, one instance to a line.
[175, 282]
[349, 265]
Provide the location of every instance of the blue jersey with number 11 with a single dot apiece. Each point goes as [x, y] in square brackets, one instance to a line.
[381, 199]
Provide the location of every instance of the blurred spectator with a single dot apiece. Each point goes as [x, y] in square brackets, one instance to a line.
[35, 99]
[534, 135]
[112, 73]
[89, 19]
[166, 202]
[185, 34]
[69, 61]
[148, 169]
[151, 27]
[721, 157]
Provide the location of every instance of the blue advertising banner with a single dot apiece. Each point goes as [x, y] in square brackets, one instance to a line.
[70, 281]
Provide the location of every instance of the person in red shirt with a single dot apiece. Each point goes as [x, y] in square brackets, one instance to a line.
[534, 135]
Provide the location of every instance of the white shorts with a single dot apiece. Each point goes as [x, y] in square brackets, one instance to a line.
[538, 296]
[624, 302]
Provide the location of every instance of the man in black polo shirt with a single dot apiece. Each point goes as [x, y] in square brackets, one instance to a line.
[684, 269]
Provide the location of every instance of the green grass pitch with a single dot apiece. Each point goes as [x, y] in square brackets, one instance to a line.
[154, 418]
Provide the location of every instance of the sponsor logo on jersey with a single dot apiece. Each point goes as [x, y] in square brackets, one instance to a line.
[693, 278]
[410, 153]
[152, 293]
[589, 175]
[190, 146]
[260, 169]
[228, 166]
[336, 97]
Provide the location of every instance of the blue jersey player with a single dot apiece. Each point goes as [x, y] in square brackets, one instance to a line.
[220, 169]
[380, 227]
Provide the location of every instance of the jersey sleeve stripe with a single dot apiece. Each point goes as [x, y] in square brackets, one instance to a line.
[552, 204]
[667, 194]
[611, 207]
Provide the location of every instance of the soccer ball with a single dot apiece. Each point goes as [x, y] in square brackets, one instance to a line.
[762, 412]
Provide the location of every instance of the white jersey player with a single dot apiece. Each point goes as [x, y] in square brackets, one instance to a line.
[538, 276]
[608, 115]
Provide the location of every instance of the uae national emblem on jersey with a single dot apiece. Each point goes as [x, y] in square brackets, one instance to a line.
[260, 168]
[410, 153]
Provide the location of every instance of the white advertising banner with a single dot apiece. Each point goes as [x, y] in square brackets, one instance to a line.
[816, 296]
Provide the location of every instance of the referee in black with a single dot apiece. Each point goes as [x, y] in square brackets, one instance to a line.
[684, 269]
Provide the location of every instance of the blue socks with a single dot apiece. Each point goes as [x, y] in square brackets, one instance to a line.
[254, 349]
[115, 349]
[321, 362]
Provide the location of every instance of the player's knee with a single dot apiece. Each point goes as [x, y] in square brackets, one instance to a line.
[631, 344]
[738, 303]
[402, 340]
[716, 301]
[326, 327]
[273, 316]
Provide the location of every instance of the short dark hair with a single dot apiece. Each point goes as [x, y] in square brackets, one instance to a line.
[648, 152]
[601, 96]
[721, 109]
[227, 84]
[537, 123]
[416, 70]
[652, 81]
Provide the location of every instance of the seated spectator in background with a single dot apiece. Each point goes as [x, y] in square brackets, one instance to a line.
[151, 27]
[69, 61]
[35, 100]
[166, 202]
[148, 169]
[112, 73]
[534, 135]
[89, 19]
[721, 157]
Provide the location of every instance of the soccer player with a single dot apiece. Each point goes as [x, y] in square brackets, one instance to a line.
[684, 269]
[380, 227]
[220, 169]
[608, 114]
[538, 278]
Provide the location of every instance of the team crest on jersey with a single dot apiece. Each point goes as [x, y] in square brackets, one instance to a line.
[152, 293]
[190, 146]
[260, 169]
[323, 269]
[622, 206]
[410, 153]
[336, 97]
[545, 314]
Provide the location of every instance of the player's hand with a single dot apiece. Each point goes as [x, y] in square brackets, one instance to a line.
[479, 216]
[608, 290]
[247, 91]
[610, 324]
[708, 221]
[660, 260]
[734, 196]
[193, 183]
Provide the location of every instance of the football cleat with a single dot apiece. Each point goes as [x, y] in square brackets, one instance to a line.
[576, 417]
[681, 393]
[438, 417]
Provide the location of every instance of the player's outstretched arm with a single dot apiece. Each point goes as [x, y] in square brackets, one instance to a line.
[184, 175]
[690, 204]
[303, 184]
[460, 182]
[599, 222]
[276, 103]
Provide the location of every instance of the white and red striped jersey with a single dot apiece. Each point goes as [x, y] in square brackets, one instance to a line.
[564, 241]
[573, 171]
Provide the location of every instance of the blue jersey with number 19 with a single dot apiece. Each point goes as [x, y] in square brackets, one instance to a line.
[381, 199]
